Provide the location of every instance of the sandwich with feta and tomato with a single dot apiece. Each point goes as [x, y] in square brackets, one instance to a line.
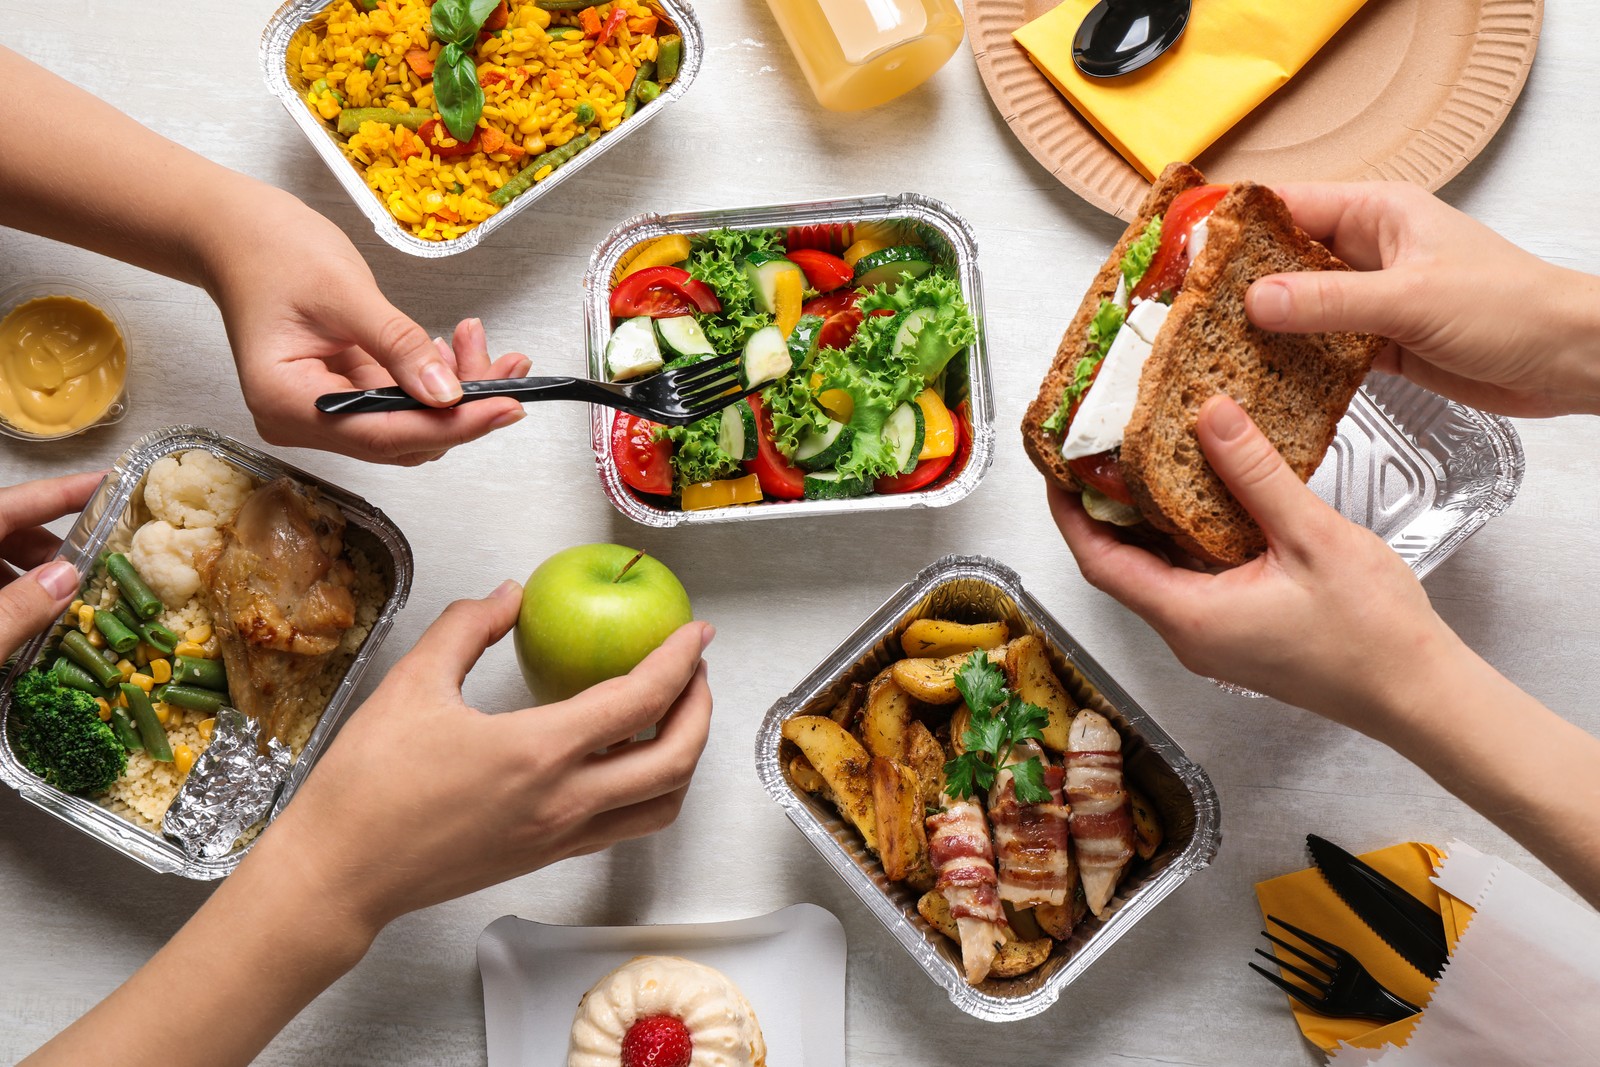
[1163, 329]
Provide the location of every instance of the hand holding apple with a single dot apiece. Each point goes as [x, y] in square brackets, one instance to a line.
[592, 612]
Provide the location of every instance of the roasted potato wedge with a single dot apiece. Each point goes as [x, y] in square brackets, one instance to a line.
[1055, 919]
[1016, 957]
[843, 764]
[932, 681]
[805, 776]
[925, 756]
[902, 841]
[845, 711]
[1031, 677]
[958, 728]
[884, 718]
[1147, 832]
[936, 638]
[1023, 923]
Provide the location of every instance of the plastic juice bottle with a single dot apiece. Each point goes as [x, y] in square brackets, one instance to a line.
[862, 53]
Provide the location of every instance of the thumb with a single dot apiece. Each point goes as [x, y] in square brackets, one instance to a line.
[33, 601]
[1317, 301]
[405, 350]
[1254, 472]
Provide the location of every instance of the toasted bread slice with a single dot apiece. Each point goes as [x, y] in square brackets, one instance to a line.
[1296, 387]
[1044, 447]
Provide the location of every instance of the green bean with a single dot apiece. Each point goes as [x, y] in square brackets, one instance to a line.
[121, 610]
[669, 54]
[77, 648]
[648, 91]
[67, 673]
[552, 159]
[145, 603]
[367, 5]
[351, 118]
[630, 103]
[583, 113]
[159, 637]
[206, 673]
[563, 5]
[371, 62]
[151, 731]
[563, 33]
[117, 633]
[190, 697]
[122, 726]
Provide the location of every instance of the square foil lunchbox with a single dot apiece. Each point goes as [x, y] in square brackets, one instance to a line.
[108, 514]
[978, 589]
[278, 37]
[947, 235]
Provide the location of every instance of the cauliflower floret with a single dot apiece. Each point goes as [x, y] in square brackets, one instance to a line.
[164, 557]
[195, 490]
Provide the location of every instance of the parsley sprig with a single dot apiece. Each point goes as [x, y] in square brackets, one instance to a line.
[1000, 721]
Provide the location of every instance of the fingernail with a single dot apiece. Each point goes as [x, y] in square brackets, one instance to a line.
[513, 416]
[439, 383]
[505, 589]
[59, 579]
[1269, 303]
[707, 632]
[1225, 418]
[522, 368]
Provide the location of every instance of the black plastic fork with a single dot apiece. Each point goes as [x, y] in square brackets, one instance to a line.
[1343, 989]
[674, 397]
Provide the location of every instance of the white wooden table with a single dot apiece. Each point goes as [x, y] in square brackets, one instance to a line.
[77, 918]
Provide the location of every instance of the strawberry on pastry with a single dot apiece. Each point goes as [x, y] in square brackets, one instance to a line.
[663, 1011]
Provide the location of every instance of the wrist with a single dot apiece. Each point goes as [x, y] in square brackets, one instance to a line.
[1575, 342]
[240, 216]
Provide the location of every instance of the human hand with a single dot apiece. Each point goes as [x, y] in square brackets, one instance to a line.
[1471, 315]
[305, 317]
[1328, 618]
[421, 798]
[31, 601]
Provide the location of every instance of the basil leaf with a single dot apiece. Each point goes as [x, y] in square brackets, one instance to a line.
[481, 10]
[460, 98]
[451, 21]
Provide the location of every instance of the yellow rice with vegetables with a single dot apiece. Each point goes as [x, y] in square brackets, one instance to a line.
[548, 80]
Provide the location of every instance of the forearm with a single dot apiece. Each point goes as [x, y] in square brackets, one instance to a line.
[1575, 340]
[262, 948]
[1516, 762]
[125, 192]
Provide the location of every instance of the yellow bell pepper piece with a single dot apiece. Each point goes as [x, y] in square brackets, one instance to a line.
[865, 247]
[787, 290]
[939, 427]
[662, 252]
[721, 494]
[889, 233]
[839, 404]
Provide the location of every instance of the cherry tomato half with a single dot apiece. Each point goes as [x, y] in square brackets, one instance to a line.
[779, 478]
[435, 134]
[644, 463]
[824, 270]
[662, 293]
[835, 237]
[1171, 261]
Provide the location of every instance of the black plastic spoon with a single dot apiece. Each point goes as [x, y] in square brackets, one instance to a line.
[1118, 36]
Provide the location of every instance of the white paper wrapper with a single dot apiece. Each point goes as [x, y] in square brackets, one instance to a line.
[1520, 986]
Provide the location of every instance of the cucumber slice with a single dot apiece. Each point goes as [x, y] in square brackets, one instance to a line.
[803, 341]
[681, 335]
[632, 350]
[831, 485]
[892, 266]
[763, 268]
[1103, 508]
[904, 432]
[737, 435]
[905, 339]
[766, 358]
[819, 451]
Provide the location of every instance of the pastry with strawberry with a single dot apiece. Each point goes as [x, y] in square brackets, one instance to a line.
[663, 1011]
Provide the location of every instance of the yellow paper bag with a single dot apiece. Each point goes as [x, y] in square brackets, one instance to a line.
[1233, 55]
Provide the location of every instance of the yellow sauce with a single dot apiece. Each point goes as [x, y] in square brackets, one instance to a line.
[62, 364]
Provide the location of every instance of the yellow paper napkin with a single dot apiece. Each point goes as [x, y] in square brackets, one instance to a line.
[1304, 899]
[1233, 55]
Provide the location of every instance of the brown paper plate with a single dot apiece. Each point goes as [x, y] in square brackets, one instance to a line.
[1408, 90]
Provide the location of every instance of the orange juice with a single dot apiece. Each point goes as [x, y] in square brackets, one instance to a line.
[861, 53]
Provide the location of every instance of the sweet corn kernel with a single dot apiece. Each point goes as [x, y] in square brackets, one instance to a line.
[127, 670]
[189, 648]
[96, 639]
[73, 607]
[143, 681]
[161, 670]
[199, 634]
[182, 758]
[121, 701]
[206, 726]
[212, 648]
[105, 708]
[163, 712]
[85, 618]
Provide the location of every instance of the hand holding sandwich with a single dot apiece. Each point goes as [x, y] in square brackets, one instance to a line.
[1471, 315]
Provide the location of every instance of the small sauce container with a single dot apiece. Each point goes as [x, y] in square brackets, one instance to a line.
[63, 360]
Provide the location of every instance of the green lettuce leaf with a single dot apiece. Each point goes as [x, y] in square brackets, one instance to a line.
[1108, 319]
[716, 260]
[940, 336]
[1136, 260]
[696, 456]
[793, 410]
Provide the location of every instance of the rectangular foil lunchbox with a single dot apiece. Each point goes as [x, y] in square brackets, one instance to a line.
[278, 37]
[978, 589]
[946, 233]
[110, 513]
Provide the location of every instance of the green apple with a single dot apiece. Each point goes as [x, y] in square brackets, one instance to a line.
[592, 612]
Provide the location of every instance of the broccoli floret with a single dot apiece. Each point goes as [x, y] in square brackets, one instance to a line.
[59, 736]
